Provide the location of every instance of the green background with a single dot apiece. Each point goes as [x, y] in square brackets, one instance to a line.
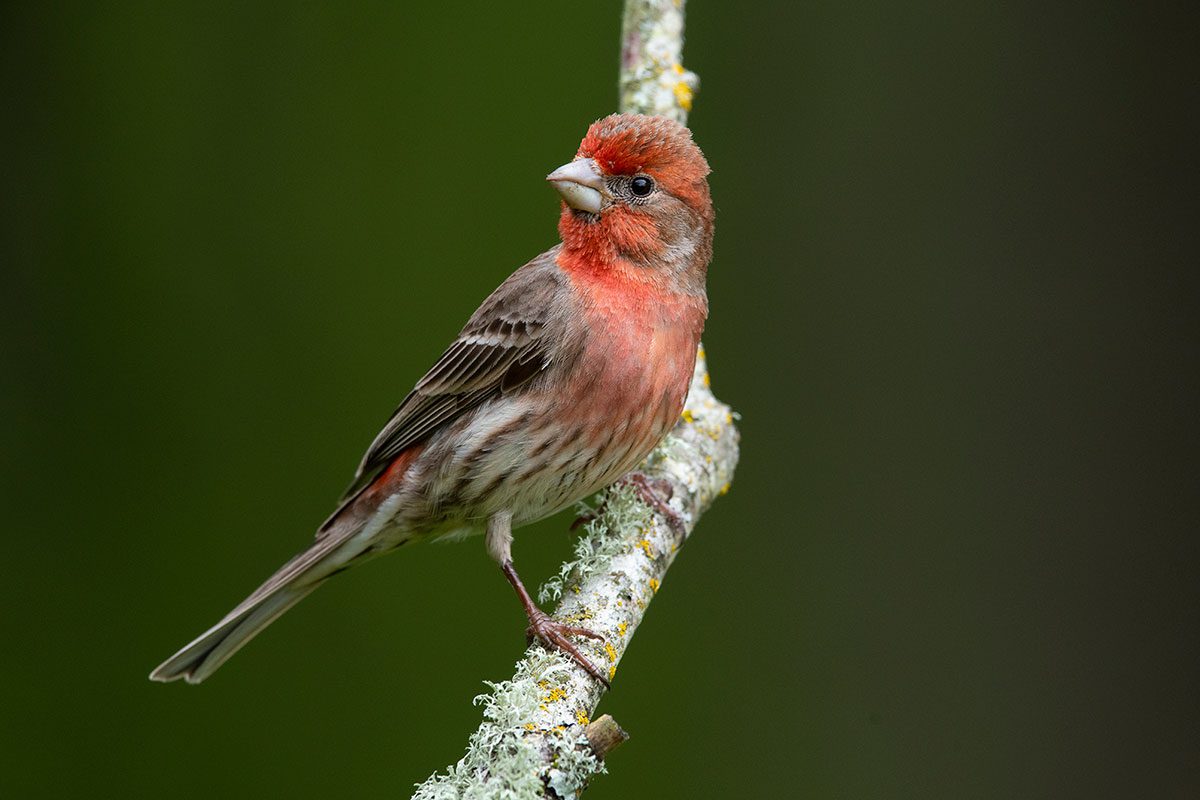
[949, 297]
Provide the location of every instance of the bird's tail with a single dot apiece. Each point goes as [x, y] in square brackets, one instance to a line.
[288, 586]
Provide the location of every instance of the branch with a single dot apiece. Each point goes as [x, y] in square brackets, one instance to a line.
[537, 738]
[653, 80]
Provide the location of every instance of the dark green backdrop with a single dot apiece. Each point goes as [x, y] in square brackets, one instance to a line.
[949, 298]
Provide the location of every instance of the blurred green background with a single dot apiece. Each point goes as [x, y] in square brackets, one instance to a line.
[950, 298]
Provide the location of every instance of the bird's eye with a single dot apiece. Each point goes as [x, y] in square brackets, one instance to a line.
[642, 185]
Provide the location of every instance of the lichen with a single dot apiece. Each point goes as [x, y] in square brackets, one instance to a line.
[506, 757]
[600, 542]
[654, 81]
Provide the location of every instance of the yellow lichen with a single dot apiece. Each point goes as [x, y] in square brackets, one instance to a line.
[683, 95]
[725, 489]
[611, 671]
[622, 627]
[687, 415]
[581, 717]
[610, 651]
[645, 545]
[654, 584]
[554, 695]
[529, 726]
[707, 380]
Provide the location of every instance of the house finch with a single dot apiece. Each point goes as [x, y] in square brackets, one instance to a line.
[563, 380]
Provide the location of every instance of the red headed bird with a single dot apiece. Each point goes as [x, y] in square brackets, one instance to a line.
[563, 380]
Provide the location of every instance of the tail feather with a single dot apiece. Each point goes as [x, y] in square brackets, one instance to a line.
[211, 649]
[288, 586]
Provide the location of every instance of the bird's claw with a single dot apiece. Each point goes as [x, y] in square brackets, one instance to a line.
[553, 635]
[655, 492]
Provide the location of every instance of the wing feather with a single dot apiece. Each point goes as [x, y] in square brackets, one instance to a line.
[502, 348]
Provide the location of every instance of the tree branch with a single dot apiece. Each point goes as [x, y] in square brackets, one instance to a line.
[537, 738]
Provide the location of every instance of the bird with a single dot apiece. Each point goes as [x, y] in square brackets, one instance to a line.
[562, 381]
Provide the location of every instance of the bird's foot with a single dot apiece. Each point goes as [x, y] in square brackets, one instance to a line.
[655, 492]
[586, 517]
[553, 635]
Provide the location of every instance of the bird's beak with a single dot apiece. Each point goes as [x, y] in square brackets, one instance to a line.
[581, 185]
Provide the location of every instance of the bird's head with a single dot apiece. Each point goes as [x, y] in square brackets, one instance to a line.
[637, 190]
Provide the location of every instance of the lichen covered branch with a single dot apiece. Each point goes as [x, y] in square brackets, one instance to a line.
[538, 738]
[533, 741]
[653, 80]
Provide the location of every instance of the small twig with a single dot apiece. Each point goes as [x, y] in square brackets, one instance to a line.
[604, 735]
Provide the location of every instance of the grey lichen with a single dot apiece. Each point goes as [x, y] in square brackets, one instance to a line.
[618, 509]
[509, 757]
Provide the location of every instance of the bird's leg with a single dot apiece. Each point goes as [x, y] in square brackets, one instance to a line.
[652, 492]
[585, 518]
[551, 633]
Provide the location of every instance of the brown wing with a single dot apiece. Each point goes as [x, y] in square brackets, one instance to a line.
[502, 347]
